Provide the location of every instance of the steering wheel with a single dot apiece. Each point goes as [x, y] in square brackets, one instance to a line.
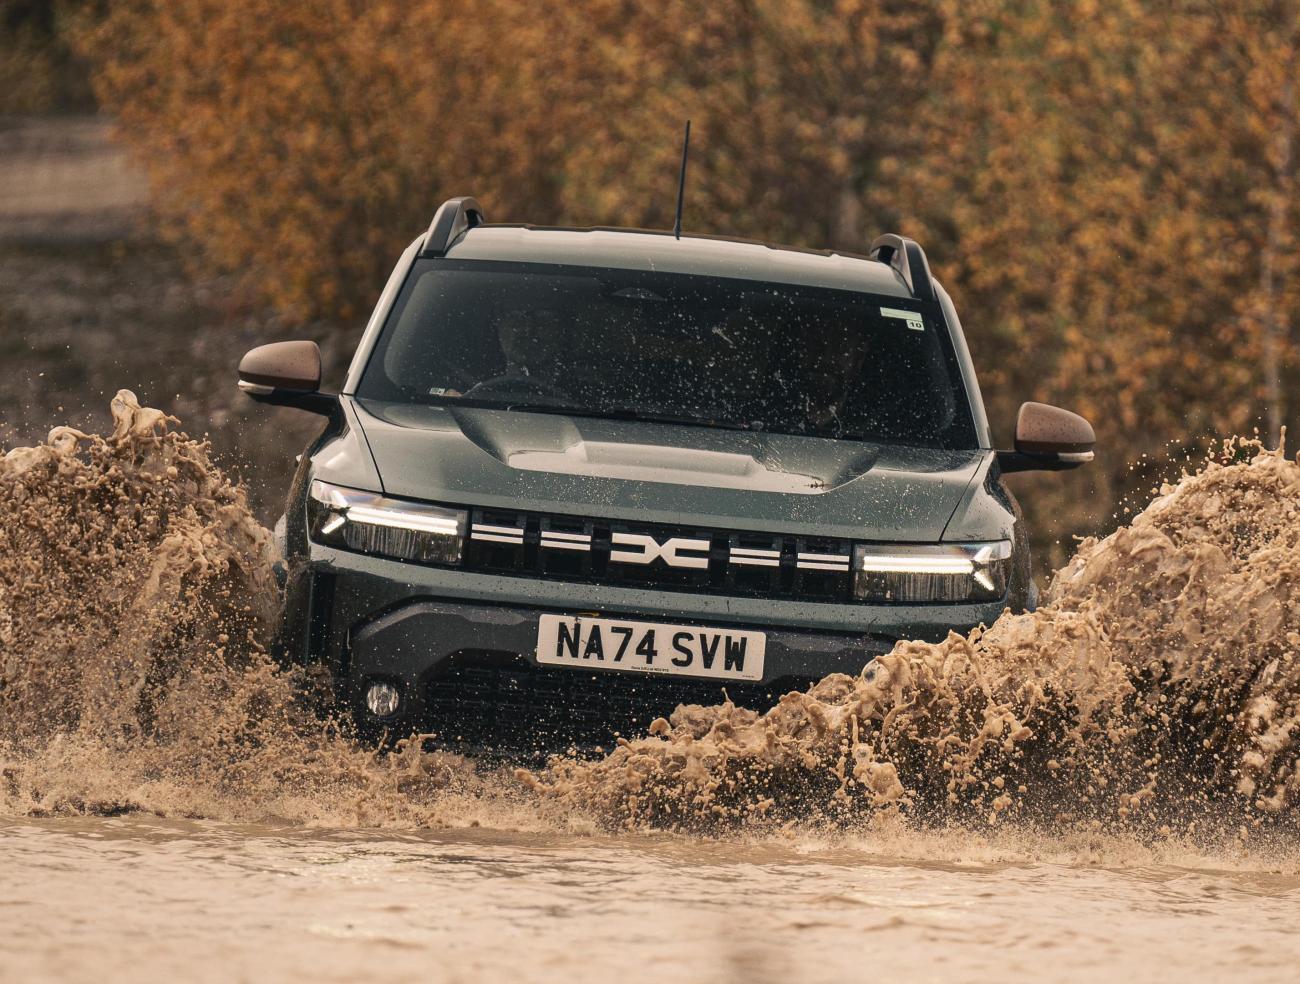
[513, 384]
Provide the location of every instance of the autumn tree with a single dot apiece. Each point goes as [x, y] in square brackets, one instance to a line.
[1107, 188]
[301, 145]
[793, 104]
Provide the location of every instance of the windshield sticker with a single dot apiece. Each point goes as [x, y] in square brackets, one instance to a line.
[911, 317]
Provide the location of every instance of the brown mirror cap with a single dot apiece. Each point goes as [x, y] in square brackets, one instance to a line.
[1044, 429]
[282, 365]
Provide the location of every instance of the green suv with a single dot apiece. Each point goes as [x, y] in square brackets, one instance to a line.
[576, 477]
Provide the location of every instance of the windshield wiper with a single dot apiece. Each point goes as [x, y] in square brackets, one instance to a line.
[619, 413]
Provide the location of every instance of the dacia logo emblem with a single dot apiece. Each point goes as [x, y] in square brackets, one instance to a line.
[639, 548]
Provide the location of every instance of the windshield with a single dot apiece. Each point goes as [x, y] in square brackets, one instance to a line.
[702, 350]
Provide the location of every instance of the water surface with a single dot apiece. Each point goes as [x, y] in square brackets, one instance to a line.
[149, 899]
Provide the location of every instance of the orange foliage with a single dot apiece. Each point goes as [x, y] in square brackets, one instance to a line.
[300, 145]
[1107, 207]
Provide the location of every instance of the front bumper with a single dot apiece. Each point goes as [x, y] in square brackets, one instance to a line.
[460, 647]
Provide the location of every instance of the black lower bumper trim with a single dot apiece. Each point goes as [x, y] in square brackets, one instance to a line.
[498, 700]
[468, 674]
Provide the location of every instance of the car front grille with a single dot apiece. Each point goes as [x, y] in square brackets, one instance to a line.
[497, 701]
[661, 557]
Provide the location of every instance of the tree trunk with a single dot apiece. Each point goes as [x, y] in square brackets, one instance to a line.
[1276, 326]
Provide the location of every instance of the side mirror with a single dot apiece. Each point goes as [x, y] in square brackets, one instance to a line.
[286, 374]
[1048, 439]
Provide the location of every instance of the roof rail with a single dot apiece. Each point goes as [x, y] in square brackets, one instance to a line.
[454, 217]
[908, 258]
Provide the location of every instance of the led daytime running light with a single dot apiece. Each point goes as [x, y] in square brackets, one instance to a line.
[403, 520]
[895, 564]
[932, 573]
[371, 523]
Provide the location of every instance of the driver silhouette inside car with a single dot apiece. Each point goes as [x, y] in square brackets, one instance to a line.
[530, 343]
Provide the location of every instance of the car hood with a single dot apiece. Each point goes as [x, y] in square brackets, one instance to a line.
[665, 473]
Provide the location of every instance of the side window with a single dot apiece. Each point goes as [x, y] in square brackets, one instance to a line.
[407, 356]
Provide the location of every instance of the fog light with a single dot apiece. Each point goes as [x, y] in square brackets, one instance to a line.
[382, 699]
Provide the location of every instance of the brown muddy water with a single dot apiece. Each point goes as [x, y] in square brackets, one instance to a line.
[144, 898]
[1105, 787]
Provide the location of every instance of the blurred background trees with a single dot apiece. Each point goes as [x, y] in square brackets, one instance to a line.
[39, 70]
[1106, 188]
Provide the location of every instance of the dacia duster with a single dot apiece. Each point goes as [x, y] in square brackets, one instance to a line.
[576, 477]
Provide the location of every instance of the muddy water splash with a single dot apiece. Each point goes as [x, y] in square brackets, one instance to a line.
[1156, 689]
[136, 600]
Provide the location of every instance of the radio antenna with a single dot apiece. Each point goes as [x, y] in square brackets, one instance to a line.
[681, 182]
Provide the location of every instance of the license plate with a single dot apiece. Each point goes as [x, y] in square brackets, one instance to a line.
[649, 647]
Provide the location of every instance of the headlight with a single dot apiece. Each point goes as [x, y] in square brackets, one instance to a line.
[944, 572]
[370, 523]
